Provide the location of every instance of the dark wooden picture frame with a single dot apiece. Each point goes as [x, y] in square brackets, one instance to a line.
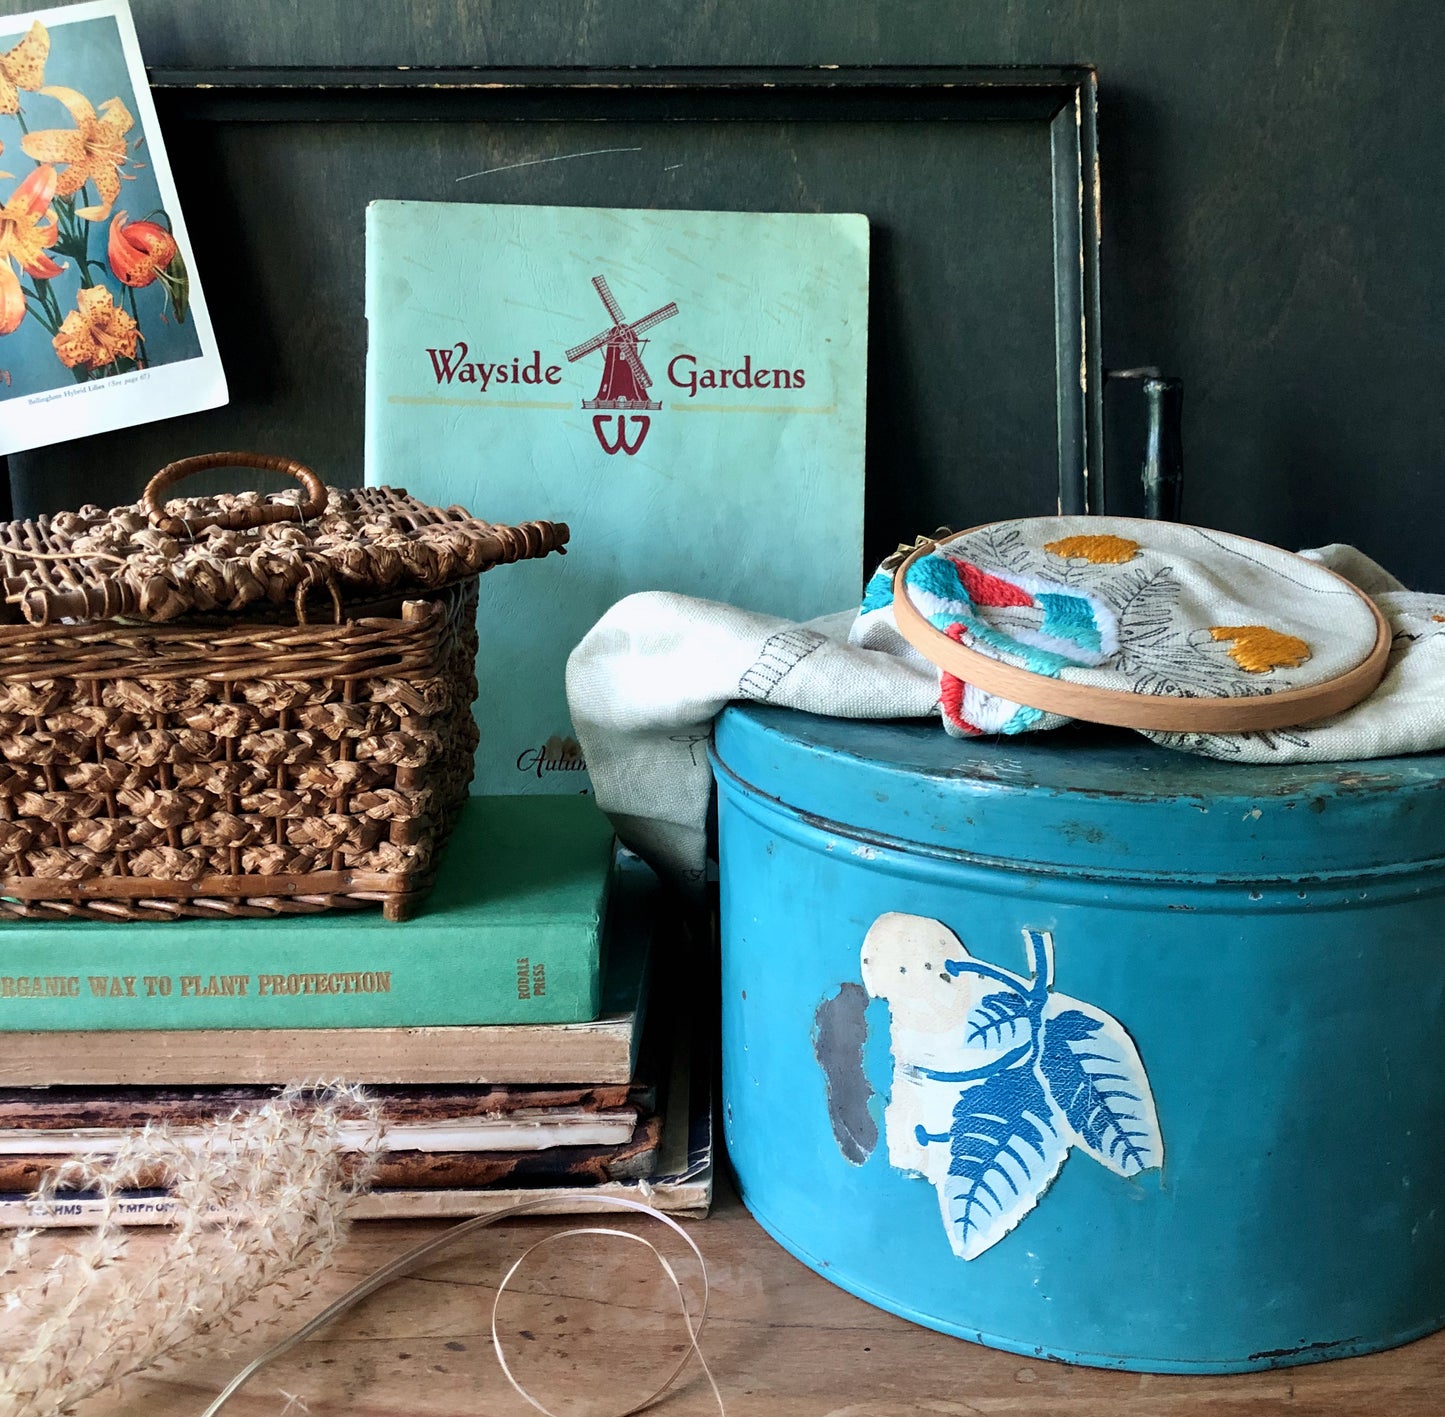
[237, 134]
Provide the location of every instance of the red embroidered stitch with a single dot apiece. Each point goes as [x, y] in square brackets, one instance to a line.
[984, 589]
[951, 691]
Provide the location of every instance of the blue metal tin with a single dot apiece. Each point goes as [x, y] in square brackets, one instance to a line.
[1165, 1088]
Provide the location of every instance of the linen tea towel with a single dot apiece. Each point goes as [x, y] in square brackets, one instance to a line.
[645, 683]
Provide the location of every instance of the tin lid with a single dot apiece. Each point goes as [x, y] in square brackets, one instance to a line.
[1097, 799]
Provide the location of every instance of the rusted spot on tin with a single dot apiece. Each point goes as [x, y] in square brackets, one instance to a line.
[1348, 781]
[1280, 1355]
[840, 1030]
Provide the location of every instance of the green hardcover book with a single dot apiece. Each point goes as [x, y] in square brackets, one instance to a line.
[511, 933]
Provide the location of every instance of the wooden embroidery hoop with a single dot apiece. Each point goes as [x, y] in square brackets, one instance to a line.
[1124, 709]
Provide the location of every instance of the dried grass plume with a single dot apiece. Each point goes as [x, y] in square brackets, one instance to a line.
[261, 1201]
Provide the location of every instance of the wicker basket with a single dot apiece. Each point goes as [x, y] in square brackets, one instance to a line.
[240, 705]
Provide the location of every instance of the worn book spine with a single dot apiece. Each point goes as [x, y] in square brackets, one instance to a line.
[631, 1159]
[97, 1109]
[508, 1053]
[213, 980]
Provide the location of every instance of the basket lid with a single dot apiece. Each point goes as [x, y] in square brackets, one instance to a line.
[1140, 624]
[222, 554]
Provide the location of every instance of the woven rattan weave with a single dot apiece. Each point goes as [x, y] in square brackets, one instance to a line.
[217, 709]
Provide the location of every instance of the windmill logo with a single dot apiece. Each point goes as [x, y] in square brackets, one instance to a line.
[624, 386]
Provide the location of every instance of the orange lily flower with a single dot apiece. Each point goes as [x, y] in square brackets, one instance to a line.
[23, 67]
[96, 332]
[24, 236]
[138, 250]
[93, 151]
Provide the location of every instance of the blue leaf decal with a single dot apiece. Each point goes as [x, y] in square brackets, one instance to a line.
[996, 1077]
[1095, 1076]
[1000, 1021]
[1006, 1148]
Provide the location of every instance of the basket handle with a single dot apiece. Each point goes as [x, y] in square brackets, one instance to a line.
[239, 518]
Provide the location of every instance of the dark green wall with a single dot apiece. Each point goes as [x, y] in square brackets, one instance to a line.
[1272, 198]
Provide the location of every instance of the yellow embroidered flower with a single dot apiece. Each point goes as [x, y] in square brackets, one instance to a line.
[23, 67]
[1257, 649]
[1098, 550]
[96, 332]
[93, 151]
[24, 236]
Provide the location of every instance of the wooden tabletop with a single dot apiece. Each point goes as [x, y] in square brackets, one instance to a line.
[593, 1325]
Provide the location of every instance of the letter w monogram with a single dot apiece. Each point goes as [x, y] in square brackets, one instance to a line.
[620, 443]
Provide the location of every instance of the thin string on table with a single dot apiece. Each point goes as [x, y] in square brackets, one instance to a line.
[404, 1263]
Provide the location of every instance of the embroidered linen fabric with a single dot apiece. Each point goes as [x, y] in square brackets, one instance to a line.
[647, 680]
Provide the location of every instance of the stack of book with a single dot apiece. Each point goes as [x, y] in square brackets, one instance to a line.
[501, 1030]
